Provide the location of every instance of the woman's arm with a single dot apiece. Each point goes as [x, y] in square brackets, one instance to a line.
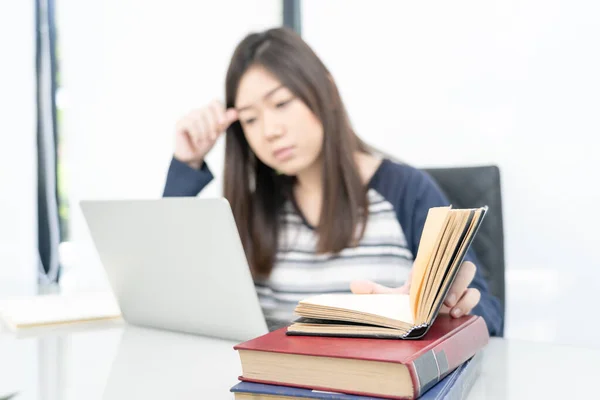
[185, 181]
[195, 135]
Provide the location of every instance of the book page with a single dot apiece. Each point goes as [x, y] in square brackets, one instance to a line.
[458, 230]
[433, 229]
[392, 306]
[32, 311]
[436, 259]
[444, 285]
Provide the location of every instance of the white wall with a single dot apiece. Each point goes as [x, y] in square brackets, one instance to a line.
[130, 70]
[514, 83]
[18, 181]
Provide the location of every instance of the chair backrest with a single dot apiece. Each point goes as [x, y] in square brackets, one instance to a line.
[468, 187]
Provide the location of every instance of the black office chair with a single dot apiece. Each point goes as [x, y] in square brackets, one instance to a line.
[468, 187]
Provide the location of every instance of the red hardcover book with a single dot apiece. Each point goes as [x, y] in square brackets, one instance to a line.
[389, 368]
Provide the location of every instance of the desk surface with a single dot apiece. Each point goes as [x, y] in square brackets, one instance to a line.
[116, 361]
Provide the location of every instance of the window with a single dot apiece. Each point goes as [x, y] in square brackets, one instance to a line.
[120, 93]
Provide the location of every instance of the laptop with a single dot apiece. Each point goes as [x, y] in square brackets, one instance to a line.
[177, 264]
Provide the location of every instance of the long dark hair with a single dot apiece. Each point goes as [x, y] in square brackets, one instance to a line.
[255, 191]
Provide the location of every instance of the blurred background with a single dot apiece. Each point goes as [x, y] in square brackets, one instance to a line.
[92, 91]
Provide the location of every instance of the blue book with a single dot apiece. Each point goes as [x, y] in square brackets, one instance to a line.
[455, 386]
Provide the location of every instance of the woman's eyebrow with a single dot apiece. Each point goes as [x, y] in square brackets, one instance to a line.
[266, 95]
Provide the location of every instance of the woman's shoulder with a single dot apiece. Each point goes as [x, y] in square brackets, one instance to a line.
[399, 178]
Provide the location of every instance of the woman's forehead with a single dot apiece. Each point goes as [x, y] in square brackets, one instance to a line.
[256, 84]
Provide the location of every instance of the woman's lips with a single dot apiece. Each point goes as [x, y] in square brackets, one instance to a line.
[284, 153]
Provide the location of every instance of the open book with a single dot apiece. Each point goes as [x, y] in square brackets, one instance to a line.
[447, 235]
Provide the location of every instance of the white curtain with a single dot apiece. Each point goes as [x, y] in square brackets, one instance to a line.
[18, 233]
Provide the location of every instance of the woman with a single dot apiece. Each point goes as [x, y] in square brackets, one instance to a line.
[316, 210]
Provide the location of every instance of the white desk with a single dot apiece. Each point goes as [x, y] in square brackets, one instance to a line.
[114, 361]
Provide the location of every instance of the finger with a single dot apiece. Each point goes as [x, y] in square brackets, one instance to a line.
[189, 140]
[197, 129]
[187, 129]
[408, 281]
[463, 278]
[218, 112]
[180, 128]
[369, 287]
[211, 123]
[231, 115]
[464, 306]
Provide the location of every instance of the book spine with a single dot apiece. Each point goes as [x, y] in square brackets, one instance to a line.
[460, 389]
[445, 356]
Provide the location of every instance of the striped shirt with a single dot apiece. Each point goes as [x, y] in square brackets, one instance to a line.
[381, 255]
[399, 199]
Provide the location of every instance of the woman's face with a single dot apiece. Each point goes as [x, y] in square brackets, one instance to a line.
[281, 130]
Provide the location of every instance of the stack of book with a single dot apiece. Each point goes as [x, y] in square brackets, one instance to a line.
[391, 346]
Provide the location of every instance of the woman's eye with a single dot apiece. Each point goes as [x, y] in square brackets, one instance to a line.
[249, 121]
[282, 104]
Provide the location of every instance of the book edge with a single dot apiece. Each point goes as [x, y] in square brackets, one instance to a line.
[326, 389]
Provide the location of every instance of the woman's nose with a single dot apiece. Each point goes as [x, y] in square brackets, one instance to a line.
[272, 129]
